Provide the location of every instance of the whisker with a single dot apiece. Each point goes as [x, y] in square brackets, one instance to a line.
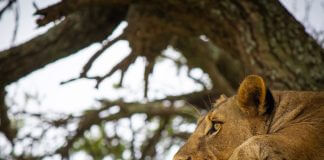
[195, 108]
[210, 102]
[206, 105]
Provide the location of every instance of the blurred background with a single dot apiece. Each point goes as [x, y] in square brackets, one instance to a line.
[93, 79]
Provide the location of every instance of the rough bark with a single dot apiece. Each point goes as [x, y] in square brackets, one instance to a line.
[262, 35]
[268, 41]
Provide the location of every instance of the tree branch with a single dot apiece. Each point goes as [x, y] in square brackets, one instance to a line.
[7, 6]
[148, 70]
[149, 148]
[67, 7]
[5, 124]
[199, 54]
[88, 65]
[59, 42]
[92, 117]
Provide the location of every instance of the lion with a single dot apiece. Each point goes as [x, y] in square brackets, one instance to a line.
[259, 124]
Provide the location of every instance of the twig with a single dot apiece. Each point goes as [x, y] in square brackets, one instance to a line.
[67, 7]
[74, 79]
[149, 148]
[122, 75]
[16, 24]
[176, 61]
[132, 147]
[9, 4]
[89, 64]
[122, 65]
[92, 117]
[196, 80]
[195, 98]
[148, 70]
[35, 6]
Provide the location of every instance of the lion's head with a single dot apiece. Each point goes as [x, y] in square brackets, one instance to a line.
[231, 122]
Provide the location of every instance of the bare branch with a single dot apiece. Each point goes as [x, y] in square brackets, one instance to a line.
[149, 148]
[64, 8]
[196, 99]
[16, 24]
[122, 75]
[5, 123]
[122, 65]
[59, 42]
[6, 7]
[196, 80]
[90, 62]
[208, 63]
[132, 142]
[92, 117]
[148, 70]
[105, 46]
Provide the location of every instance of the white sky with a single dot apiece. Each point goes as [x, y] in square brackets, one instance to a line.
[80, 95]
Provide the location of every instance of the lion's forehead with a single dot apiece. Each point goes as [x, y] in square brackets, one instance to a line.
[224, 106]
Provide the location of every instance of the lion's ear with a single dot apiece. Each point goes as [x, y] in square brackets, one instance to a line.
[254, 97]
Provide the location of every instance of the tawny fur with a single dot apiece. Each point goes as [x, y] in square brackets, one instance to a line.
[293, 129]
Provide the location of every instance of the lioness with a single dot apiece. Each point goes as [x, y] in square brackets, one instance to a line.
[258, 124]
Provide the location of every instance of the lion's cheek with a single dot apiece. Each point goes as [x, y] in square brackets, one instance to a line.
[257, 148]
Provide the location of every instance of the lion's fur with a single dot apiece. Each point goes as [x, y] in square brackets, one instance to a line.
[292, 129]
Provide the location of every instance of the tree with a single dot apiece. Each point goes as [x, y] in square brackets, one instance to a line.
[226, 39]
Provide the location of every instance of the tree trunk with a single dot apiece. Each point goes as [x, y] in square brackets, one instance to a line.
[268, 41]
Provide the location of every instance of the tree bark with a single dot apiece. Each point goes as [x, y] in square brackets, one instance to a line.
[268, 41]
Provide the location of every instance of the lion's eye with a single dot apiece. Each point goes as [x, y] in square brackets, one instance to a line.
[216, 127]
